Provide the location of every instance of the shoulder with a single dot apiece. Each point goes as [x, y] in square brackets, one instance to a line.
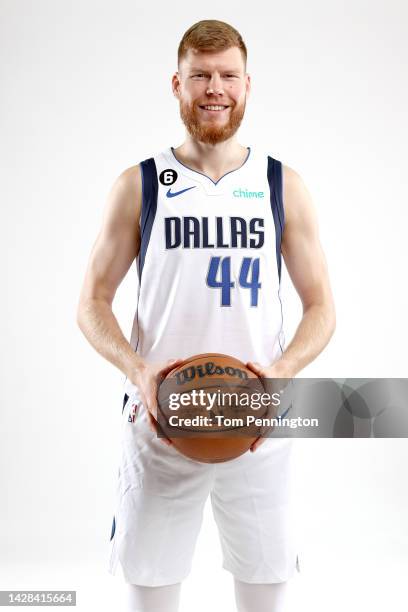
[296, 197]
[130, 178]
[124, 200]
[128, 185]
[290, 177]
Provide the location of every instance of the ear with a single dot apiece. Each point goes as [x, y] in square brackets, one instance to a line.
[248, 84]
[175, 84]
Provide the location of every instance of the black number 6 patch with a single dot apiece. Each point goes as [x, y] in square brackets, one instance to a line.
[168, 177]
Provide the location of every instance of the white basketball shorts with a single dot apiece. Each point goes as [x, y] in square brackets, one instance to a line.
[159, 508]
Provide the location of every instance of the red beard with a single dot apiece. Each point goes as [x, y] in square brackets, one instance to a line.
[207, 132]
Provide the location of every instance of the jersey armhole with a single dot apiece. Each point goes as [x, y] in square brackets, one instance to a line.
[150, 189]
[276, 201]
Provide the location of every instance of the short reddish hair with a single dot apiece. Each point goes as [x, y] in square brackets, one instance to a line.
[211, 35]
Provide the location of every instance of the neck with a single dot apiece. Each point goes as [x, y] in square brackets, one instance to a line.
[212, 160]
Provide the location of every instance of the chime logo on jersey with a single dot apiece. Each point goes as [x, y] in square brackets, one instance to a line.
[244, 193]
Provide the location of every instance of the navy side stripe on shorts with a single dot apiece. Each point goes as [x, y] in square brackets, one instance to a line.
[276, 196]
[113, 528]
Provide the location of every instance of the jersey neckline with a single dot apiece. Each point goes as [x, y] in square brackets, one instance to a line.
[205, 175]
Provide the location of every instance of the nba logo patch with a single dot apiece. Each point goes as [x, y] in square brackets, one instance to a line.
[132, 412]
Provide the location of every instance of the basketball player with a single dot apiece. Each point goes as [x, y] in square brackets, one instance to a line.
[207, 223]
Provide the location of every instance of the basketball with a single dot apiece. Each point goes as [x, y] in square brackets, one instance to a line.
[216, 429]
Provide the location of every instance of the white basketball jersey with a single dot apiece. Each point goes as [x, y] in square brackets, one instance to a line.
[210, 261]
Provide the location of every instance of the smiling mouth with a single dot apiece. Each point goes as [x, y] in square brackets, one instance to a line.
[214, 108]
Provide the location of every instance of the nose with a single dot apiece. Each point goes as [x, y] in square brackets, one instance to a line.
[215, 85]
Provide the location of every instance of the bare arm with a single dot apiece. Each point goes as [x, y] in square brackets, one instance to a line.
[115, 249]
[306, 264]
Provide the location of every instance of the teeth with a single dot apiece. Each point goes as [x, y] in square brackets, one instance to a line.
[216, 108]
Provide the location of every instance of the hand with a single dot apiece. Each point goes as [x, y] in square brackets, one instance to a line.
[273, 374]
[147, 379]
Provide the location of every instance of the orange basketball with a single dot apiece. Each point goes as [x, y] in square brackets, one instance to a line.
[203, 407]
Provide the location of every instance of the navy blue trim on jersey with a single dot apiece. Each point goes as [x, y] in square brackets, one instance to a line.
[208, 177]
[276, 197]
[125, 399]
[113, 528]
[150, 187]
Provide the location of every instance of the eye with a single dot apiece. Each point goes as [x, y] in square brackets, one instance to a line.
[198, 76]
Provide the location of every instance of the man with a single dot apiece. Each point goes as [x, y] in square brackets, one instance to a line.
[207, 223]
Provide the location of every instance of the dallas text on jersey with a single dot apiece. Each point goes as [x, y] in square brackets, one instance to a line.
[231, 232]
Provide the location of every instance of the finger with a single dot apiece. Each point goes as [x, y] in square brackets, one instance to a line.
[254, 445]
[271, 385]
[257, 444]
[152, 404]
[170, 365]
[173, 360]
[255, 367]
[152, 422]
[162, 436]
[142, 397]
[155, 427]
[260, 442]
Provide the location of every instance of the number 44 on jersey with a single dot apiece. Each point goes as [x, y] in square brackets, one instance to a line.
[248, 278]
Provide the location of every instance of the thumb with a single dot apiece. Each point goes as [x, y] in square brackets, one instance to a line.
[254, 365]
[151, 405]
[172, 362]
[169, 365]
